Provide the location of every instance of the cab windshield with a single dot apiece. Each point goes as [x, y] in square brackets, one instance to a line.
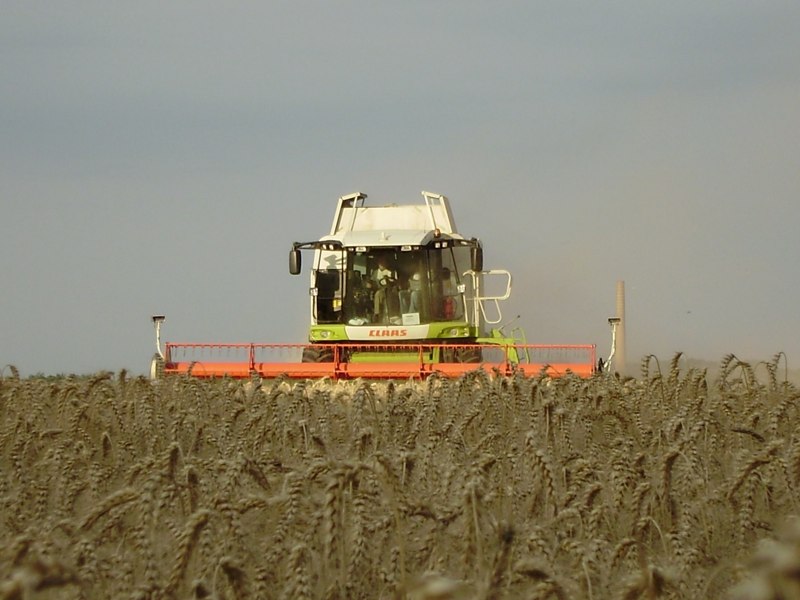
[392, 286]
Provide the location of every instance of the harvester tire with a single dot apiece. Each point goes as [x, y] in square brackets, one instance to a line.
[469, 355]
[463, 355]
[312, 354]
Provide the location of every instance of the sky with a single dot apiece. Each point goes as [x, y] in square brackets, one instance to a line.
[160, 158]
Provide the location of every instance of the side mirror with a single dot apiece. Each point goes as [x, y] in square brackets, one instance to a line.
[477, 258]
[295, 263]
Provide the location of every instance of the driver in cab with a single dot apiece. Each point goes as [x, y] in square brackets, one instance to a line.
[383, 277]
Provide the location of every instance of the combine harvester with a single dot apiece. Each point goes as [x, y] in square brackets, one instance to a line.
[396, 292]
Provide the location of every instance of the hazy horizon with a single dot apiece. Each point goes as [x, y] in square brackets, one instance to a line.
[161, 158]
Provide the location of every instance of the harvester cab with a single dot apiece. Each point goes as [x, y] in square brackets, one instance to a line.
[398, 274]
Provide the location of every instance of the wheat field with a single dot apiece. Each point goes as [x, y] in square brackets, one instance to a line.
[672, 484]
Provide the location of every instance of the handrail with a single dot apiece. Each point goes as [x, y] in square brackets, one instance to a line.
[479, 299]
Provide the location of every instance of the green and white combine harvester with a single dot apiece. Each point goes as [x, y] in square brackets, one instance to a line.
[396, 292]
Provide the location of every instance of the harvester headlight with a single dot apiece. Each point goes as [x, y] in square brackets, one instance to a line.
[323, 334]
[457, 332]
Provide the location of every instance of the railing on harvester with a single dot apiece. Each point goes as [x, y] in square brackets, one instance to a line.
[375, 361]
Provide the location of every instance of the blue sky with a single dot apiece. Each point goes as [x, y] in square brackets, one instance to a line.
[161, 158]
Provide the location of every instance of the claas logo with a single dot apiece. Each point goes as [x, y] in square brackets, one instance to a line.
[388, 332]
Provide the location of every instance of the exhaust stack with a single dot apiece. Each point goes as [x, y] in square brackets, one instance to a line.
[620, 345]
